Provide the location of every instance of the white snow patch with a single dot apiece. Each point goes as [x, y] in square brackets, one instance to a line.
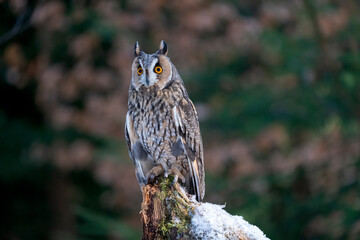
[211, 221]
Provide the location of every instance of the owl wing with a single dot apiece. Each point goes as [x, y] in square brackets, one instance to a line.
[128, 142]
[189, 133]
[136, 150]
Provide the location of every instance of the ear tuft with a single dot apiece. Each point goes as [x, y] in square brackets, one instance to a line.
[163, 48]
[137, 49]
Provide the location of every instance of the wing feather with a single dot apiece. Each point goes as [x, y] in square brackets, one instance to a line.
[131, 140]
[188, 125]
[128, 142]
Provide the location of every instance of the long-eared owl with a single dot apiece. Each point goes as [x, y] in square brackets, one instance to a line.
[162, 129]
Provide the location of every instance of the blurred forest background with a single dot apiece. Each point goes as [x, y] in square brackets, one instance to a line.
[276, 85]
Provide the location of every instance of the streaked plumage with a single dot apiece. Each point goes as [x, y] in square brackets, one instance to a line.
[162, 128]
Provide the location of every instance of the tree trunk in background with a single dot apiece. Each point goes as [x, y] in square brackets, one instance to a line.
[63, 220]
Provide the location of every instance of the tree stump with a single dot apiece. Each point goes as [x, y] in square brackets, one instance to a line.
[168, 212]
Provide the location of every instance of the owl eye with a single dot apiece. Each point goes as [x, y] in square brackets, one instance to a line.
[140, 71]
[158, 69]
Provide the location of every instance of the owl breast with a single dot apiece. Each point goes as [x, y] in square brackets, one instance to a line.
[151, 111]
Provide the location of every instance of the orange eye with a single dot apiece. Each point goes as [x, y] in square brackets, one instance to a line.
[158, 69]
[140, 71]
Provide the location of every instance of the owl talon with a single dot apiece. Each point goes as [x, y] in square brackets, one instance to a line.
[175, 180]
[154, 173]
[174, 170]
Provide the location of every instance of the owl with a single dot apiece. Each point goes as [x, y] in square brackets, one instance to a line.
[162, 129]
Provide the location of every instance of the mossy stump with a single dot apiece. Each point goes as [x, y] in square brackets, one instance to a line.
[168, 212]
[165, 211]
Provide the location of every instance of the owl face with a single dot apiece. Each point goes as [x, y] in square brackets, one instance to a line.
[150, 70]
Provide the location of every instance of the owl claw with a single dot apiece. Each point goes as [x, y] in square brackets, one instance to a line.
[175, 180]
[174, 170]
[154, 173]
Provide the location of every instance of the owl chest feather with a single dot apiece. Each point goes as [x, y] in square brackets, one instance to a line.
[153, 120]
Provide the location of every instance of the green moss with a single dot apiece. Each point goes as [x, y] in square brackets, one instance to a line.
[177, 219]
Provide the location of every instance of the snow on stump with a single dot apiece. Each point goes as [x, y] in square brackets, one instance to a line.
[168, 212]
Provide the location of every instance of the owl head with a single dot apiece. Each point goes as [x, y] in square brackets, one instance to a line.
[151, 70]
